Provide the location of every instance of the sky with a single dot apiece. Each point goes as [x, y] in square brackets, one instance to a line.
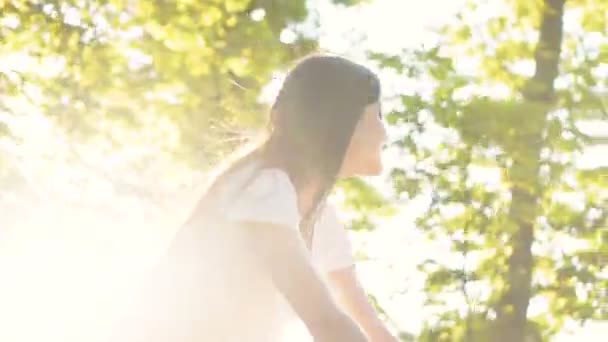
[388, 25]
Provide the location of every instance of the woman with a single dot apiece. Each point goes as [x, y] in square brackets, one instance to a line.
[262, 246]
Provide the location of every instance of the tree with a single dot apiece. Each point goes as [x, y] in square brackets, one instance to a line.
[513, 305]
[526, 135]
[201, 64]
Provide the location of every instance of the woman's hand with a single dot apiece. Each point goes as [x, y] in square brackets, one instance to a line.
[381, 334]
[350, 294]
[340, 328]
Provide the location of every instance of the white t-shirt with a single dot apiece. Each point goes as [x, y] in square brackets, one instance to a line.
[270, 197]
[209, 278]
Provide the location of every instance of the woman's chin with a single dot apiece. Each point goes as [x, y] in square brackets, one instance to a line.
[371, 170]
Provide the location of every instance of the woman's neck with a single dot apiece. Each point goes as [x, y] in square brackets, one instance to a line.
[306, 199]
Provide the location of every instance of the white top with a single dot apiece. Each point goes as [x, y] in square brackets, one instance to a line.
[271, 197]
[254, 309]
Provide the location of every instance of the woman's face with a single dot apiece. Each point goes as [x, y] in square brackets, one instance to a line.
[363, 157]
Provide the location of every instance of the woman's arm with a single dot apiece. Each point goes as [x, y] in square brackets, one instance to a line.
[352, 297]
[283, 253]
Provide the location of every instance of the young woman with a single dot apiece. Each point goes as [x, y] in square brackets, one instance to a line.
[262, 246]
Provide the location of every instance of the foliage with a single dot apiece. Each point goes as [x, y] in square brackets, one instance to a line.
[92, 65]
[526, 149]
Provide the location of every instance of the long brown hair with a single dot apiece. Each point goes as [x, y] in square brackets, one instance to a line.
[313, 119]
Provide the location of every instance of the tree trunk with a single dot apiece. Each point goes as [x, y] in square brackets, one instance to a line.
[524, 177]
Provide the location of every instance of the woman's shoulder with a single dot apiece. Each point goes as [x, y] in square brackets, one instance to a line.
[259, 194]
[270, 182]
[255, 181]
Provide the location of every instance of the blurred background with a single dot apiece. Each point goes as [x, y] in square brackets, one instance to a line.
[491, 218]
